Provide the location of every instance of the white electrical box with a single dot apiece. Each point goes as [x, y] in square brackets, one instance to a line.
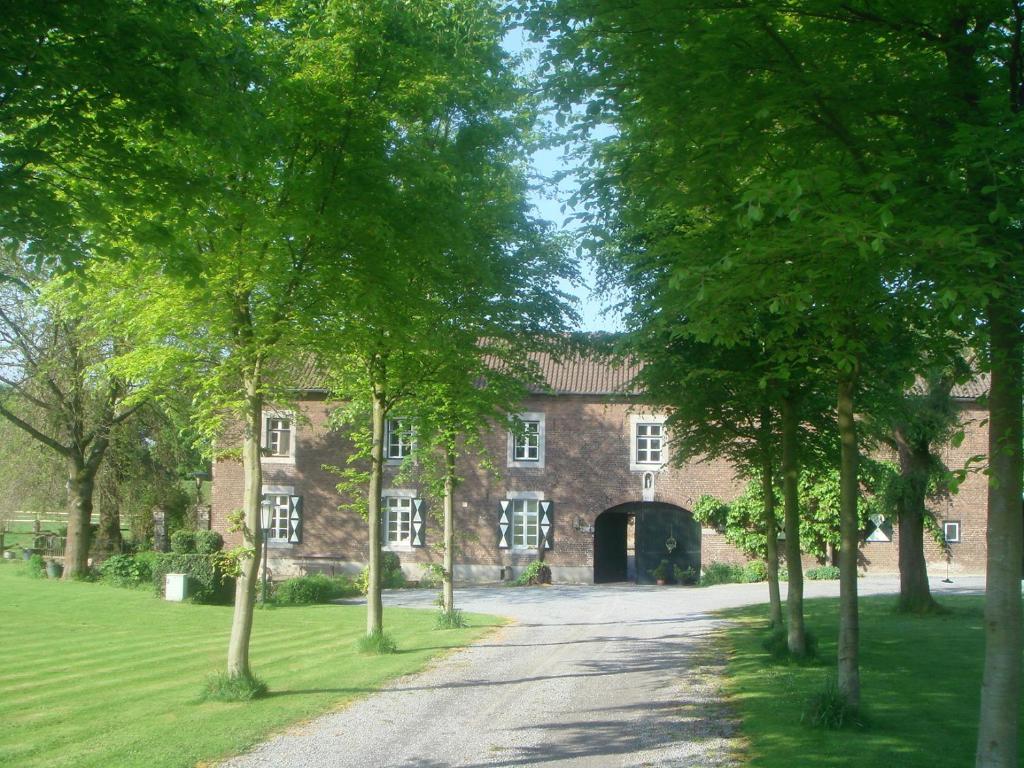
[176, 587]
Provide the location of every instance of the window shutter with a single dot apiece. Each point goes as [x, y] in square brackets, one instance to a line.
[547, 525]
[504, 525]
[419, 523]
[294, 519]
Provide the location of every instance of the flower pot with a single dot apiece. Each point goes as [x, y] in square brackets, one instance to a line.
[54, 570]
[660, 582]
[8, 554]
[27, 552]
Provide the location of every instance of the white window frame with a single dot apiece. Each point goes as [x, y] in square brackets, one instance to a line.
[405, 448]
[523, 504]
[398, 494]
[280, 498]
[946, 525]
[636, 421]
[265, 437]
[528, 417]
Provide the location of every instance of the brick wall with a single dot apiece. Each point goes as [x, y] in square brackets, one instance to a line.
[586, 472]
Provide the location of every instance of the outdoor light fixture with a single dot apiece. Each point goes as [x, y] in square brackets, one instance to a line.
[266, 508]
[579, 525]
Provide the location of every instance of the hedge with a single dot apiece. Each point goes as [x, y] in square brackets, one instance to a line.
[206, 583]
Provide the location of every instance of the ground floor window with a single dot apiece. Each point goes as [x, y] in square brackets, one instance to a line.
[398, 521]
[525, 523]
[278, 531]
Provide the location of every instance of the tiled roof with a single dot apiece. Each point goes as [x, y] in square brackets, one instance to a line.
[585, 375]
[970, 390]
[581, 374]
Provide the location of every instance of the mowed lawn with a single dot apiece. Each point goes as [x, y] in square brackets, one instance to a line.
[920, 679]
[92, 675]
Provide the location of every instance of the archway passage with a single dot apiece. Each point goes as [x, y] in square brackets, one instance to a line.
[632, 539]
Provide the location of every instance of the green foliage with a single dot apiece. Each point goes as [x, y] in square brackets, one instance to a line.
[223, 687]
[721, 573]
[453, 619]
[183, 542]
[391, 576]
[35, 567]
[128, 570]
[822, 573]
[685, 575]
[661, 570]
[378, 643]
[313, 589]
[432, 576]
[535, 573]
[829, 709]
[207, 583]
[755, 571]
[208, 542]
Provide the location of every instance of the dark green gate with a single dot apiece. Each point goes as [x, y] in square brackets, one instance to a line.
[661, 532]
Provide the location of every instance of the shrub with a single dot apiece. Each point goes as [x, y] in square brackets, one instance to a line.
[535, 573]
[208, 542]
[35, 567]
[755, 571]
[209, 584]
[452, 619]
[391, 576]
[661, 572]
[313, 589]
[379, 643]
[183, 542]
[823, 573]
[721, 573]
[685, 575]
[127, 570]
[222, 687]
[433, 575]
[830, 710]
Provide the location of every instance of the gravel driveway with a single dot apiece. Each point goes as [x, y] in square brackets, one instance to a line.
[611, 675]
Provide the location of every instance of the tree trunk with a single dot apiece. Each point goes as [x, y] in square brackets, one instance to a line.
[915, 595]
[252, 535]
[796, 638]
[848, 677]
[448, 598]
[80, 486]
[374, 603]
[771, 533]
[1000, 689]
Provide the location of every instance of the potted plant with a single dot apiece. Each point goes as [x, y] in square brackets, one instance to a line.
[684, 575]
[660, 573]
[54, 570]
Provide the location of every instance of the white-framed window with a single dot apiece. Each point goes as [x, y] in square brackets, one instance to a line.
[397, 521]
[649, 438]
[279, 497]
[278, 436]
[526, 444]
[525, 523]
[398, 439]
[648, 442]
[951, 531]
[526, 441]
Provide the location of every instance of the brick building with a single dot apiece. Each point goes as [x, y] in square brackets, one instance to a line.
[588, 477]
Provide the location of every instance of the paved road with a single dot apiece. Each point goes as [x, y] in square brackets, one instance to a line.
[590, 676]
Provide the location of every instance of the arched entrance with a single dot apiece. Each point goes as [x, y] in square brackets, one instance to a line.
[630, 540]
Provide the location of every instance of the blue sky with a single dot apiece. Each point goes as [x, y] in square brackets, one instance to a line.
[545, 163]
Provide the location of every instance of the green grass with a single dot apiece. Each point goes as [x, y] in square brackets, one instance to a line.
[920, 681]
[93, 675]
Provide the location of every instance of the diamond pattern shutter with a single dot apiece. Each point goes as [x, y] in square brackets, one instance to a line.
[504, 524]
[547, 525]
[419, 523]
[294, 519]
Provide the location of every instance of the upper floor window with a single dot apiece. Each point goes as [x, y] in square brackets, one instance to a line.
[526, 444]
[278, 436]
[526, 441]
[398, 439]
[649, 437]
